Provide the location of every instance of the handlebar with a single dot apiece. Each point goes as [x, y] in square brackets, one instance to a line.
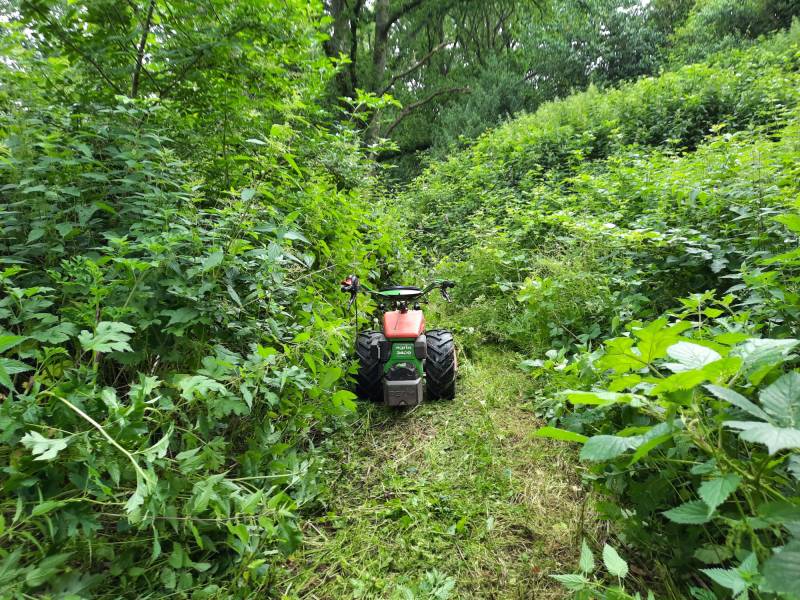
[353, 286]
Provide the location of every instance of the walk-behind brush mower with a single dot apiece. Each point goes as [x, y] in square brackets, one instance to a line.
[403, 363]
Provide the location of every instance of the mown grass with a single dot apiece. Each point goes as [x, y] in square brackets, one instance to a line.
[450, 496]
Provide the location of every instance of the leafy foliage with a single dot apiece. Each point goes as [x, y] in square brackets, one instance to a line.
[640, 245]
[172, 348]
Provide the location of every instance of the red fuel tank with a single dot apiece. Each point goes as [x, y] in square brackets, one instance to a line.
[410, 324]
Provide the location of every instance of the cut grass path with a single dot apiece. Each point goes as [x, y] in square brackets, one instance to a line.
[452, 495]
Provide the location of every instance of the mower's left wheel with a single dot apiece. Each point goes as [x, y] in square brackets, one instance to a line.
[369, 380]
[440, 366]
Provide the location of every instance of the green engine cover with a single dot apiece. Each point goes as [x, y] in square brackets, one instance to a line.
[403, 352]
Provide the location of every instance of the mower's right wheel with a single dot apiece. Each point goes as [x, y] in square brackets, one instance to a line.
[440, 366]
[369, 380]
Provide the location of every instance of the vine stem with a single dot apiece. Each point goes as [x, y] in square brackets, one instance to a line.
[96, 425]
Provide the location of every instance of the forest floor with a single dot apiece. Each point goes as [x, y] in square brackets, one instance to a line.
[453, 496]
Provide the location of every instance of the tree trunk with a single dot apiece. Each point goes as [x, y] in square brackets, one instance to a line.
[137, 69]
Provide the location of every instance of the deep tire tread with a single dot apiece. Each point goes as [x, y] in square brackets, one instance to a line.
[440, 366]
[369, 380]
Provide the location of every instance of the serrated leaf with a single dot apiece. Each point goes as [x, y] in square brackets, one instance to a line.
[782, 400]
[46, 569]
[43, 448]
[727, 578]
[614, 563]
[606, 447]
[774, 438]
[715, 491]
[108, 336]
[212, 260]
[586, 561]
[695, 512]
[691, 356]
[555, 433]
[344, 398]
[199, 384]
[572, 581]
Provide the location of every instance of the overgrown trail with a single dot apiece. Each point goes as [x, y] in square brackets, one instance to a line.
[450, 495]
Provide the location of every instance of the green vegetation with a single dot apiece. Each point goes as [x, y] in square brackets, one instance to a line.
[640, 246]
[447, 500]
[183, 183]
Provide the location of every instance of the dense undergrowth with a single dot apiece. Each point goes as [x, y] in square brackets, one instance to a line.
[641, 246]
[173, 347]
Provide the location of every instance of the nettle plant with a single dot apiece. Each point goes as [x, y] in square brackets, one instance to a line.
[695, 440]
[589, 582]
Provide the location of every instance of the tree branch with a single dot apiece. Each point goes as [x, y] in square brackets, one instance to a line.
[64, 38]
[137, 70]
[407, 110]
[414, 67]
[401, 12]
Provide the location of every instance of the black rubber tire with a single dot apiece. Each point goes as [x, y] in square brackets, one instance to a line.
[369, 380]
[440, 366]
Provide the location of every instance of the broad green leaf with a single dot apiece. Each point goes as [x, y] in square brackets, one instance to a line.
[694, 512]
[790, 220]
[781, 512]
[727, 578]
[344, 398]
[681, 380]
[715, 491]
[108, 336]
[737, 400]
[9, 341]
[586, 561]
[12, 367]
[199, 385]
[713, 554]
[657, 337]
[180, 315]
[614, 563]
[649, 445]
[572, 581]
[782, 400]
[46, 569]
[601, 398]
[560, 434]
[690, 356]
[47, 506]
[774, 438]
[212, 260]
[760, 356]
[43, 448]
[159, 449]
[620, 356]
[782, 570]
[606, 447]
[5, 378]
